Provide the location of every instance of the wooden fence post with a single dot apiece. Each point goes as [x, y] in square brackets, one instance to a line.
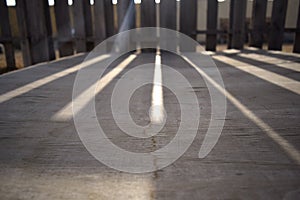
[63, 24]
[109, 18]
[46, 12]
[126, 9]
[23, 29]
[238, 25]
[100, 24]
[36, 23]
[148, 13]
[297, 34]
[188, 18]
[212, 21]
[231, 14]
[258, 23]
[83, 25]
[277, 24]
[7, 37]
[168, 14]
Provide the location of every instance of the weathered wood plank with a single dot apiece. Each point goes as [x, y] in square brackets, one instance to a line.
[277, 24]
[63, 24]
[188, 17]
[148, 13]
[238, 25]
[297, 34]
[212, 21]
[82, 25]
[32, 14]
[109, 18]
[168, 14]
[48, 25]
[24, 39]
[126, 15]
[6, 33]
[231, 11]
[100, 25]
[259, 11]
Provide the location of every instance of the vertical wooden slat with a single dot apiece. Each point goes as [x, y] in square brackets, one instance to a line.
[297, 34]
[212, 20]
[148, 13]
[258, 23]
[168, 14]
[100, 25]
[188, 17]
[88, 23]
[80, 36]
[36, 22]
[46, 11]
[83, 25]
[231, 14]
[23, 29]
[109, 18]
[277, 24]
[6, 34]
[122, 7]
[238, 26]
[126, 15]
[63, 24]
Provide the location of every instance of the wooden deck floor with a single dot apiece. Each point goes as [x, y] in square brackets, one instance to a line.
[256, 157]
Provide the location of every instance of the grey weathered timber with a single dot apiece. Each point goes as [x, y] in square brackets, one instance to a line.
[188, 18]
[238, 24]
[46, 11]
[63, 24]
[6, 35]
[168, 14]
[212, 21]
[109, 18]
[126, 15]
[297, 34]
[88, 24]
[277, 24]
[148, 13]
[258, 23]
[23, 30]
[231, 10]
[37, 23]
[168, 18]
[99, 22]
[122, 8]
[83, 25]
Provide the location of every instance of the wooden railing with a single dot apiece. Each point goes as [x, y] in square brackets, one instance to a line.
[81, 26]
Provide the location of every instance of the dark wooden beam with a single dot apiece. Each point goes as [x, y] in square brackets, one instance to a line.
[23, 29]
[48, 25]
[231, 11]
[6, 33]
[259, 11]
[212, 21]
[277, 24]
[37, 20]
[168, 14]
[148, 13]
[83, 25]
[63, 24]
[188, 18]
[238, 24]
[126, 15]
[297, 34]
[87, 12]
[100, 25]
[109, 18]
